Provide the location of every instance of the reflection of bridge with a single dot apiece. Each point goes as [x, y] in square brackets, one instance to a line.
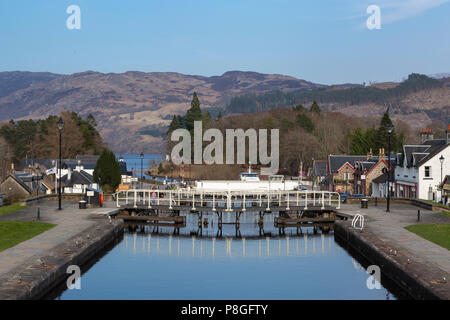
[192, 200]
[228, 246]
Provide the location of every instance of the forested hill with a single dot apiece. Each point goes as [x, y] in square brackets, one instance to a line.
[39, 138]
[404, 97]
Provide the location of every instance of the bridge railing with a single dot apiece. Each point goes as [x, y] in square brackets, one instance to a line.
[230, 200]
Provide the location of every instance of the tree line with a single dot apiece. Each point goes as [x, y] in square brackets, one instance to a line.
[351, 96]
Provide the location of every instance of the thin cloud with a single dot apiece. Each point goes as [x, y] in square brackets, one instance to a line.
[396, 10]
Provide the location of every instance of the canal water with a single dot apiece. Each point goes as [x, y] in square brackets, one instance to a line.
[160, 262]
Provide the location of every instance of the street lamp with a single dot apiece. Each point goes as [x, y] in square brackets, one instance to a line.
[142, 170]
[60, 125]
[441, 159]
[390, 129]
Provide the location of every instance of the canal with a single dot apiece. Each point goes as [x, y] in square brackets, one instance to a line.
[154, 262]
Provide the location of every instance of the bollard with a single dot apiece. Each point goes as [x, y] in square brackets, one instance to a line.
[38, 213]
[418, 215]
[376, 201]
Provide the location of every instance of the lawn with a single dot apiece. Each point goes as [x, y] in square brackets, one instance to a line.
[436, 203]
[11, 208]
[437, 233]
[14, 232]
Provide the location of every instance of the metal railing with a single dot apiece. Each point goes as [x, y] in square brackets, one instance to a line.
[227, 200]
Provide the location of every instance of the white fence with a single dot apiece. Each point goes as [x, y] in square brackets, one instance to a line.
[227, 200]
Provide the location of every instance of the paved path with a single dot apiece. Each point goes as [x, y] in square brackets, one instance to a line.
[69, 222]
[389, 227]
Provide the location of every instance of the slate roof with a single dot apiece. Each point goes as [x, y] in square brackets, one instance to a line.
[73, 163]
[42, 163]
[88, 162]
[77, 177]
[383, 178]
[337, 161]
[416, 155]
[320, 168]
[19, 181]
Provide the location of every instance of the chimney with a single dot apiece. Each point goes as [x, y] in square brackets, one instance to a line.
[381, 154]
[423, 136]
[430, 134]
[69, 174]
[369, 155]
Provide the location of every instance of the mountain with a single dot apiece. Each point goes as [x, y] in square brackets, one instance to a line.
[440, 75]
[419, 100]
[132, 109]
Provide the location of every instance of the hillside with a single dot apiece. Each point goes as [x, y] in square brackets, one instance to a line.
[40, 139]
[419, 100]
[132, 108]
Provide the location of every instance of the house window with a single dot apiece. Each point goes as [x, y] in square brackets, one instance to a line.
[427, 172]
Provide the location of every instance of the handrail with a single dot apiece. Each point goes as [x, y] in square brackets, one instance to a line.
[232, 199]
[358, 218]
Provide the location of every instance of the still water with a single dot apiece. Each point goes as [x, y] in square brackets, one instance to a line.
[155, 262]
[133, 162]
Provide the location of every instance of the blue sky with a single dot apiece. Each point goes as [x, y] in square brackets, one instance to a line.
[323, 41]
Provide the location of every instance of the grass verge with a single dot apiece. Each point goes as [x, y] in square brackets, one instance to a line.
[437, 233]
[10, 208]
[15, 232]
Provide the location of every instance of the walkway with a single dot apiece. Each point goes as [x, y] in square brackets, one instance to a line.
[389, 227]
[69, 222]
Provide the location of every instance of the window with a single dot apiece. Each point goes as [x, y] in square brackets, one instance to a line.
[427, 172]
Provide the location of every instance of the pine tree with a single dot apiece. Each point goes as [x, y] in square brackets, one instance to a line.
[194, 113]
[107, 171]
[305, 122]
[315, 107]
[175, 124]
[383, 134]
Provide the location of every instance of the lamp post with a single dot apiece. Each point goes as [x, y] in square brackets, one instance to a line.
[60, 125]
[142, 170]
[390, 129]
[441, 159]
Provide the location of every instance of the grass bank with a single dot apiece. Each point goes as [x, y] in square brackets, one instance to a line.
[437, 233]
[10, 208]
[15, 232]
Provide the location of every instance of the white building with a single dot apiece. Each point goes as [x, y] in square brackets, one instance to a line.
[418, 173]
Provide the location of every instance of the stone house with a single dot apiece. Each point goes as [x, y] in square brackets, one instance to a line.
[14, 188]
[340, 172]
[368, 170]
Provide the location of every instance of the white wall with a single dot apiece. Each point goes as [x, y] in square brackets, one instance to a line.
[424, 183]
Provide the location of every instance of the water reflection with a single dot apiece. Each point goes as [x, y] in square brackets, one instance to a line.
[240, 262]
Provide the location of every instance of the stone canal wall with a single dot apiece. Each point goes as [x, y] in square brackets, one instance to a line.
[418, 280]
[40, 276]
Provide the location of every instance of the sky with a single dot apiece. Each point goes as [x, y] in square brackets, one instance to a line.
[323, 41]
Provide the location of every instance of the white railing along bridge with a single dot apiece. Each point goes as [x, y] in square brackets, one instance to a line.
[184, 199]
